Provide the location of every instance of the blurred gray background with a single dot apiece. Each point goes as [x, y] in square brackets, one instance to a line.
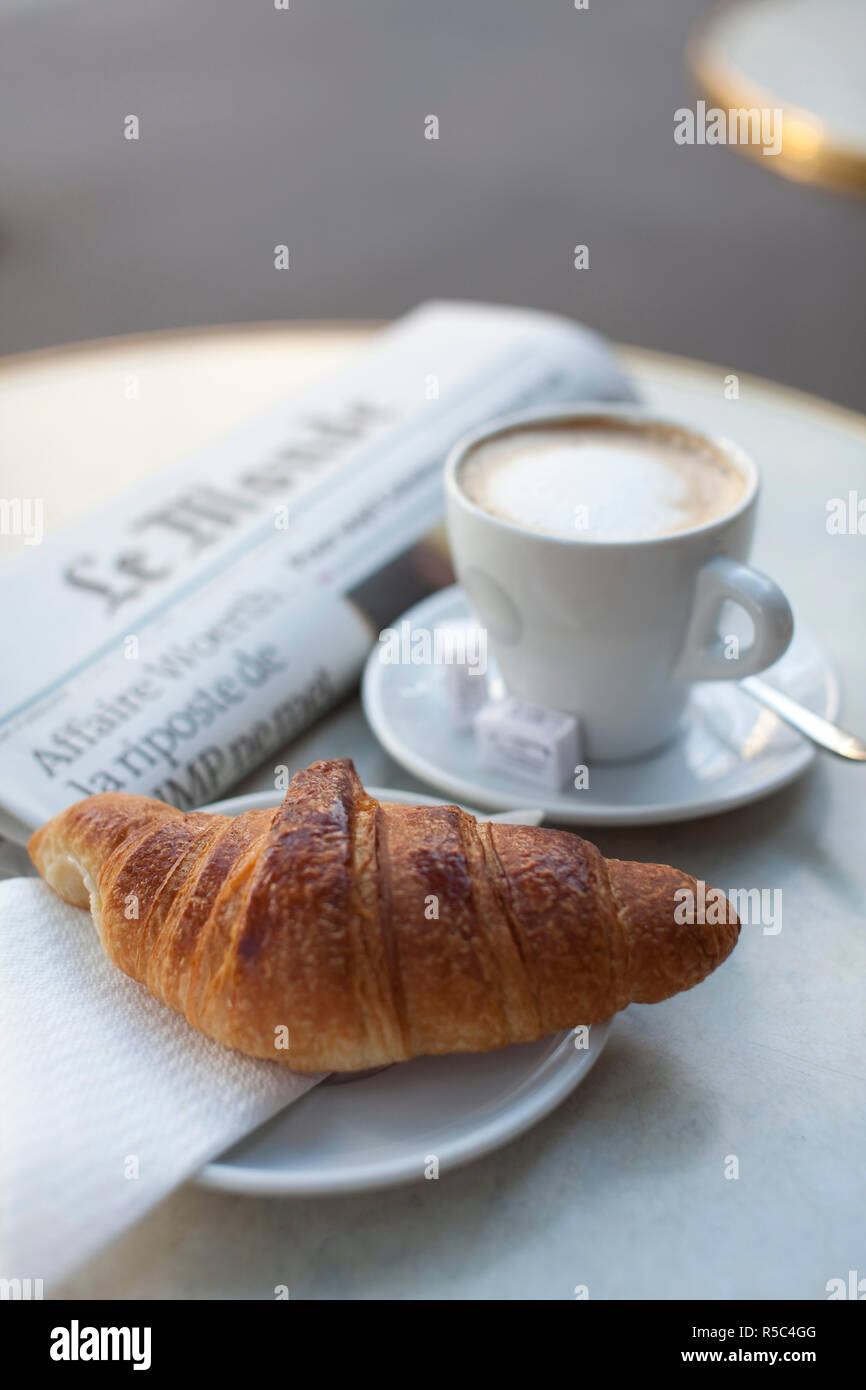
[306, 127]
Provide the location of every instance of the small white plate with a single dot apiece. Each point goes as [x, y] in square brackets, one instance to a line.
[383, 1128]
[731, 751]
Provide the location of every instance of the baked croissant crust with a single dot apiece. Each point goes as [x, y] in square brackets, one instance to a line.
[338, 933]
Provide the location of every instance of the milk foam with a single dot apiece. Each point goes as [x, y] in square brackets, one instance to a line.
[603, 483]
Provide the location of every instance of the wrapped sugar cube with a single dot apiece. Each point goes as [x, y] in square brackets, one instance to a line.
[541, 745]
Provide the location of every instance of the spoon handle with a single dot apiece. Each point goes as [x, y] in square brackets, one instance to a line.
[819, 730]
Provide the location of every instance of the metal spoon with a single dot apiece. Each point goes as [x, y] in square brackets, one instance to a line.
[805, 721]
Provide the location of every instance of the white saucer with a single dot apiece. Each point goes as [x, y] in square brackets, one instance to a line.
[731, 751]
[379, 1129]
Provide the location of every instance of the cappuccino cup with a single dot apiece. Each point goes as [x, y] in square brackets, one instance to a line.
[599, 549]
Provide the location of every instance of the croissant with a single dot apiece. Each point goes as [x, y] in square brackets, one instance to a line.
[338, 933]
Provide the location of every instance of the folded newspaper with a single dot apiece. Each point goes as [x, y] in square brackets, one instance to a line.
[178, 636]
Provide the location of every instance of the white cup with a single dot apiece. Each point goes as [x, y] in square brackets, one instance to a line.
[614, 632]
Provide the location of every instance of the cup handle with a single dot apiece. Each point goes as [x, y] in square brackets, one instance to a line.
[703, 657]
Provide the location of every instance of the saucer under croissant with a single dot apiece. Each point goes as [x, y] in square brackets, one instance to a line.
[338, 933]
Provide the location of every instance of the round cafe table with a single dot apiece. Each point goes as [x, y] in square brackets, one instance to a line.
[629, 1187]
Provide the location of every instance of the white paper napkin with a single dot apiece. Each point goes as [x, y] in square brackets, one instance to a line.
[108, 1099]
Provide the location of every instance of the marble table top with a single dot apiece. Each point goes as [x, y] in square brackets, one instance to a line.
[630, 1187]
